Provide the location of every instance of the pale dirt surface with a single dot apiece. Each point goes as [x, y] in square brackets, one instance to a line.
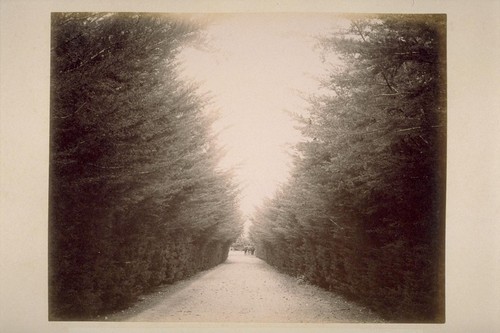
[244, 289]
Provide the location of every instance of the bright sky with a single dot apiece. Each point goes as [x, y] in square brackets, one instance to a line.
[258, 64]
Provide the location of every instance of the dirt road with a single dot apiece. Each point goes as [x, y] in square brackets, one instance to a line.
[244, 289]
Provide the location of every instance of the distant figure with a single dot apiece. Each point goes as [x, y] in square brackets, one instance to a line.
[245, 249]
[252, 250]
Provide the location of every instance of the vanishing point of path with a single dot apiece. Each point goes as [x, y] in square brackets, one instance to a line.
[244, 289]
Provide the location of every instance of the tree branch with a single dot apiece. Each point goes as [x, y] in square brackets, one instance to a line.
[387, 82]
[360, 32]
[71, 114]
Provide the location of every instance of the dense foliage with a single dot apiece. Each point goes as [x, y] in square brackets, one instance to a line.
[363, 212]
[136, 198]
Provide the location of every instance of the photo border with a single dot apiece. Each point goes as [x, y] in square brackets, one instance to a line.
[473, 173]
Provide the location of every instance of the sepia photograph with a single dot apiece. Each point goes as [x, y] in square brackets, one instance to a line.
[194, 166]
[247, 167]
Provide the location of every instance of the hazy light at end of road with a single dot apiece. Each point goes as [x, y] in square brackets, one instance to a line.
[256, 66]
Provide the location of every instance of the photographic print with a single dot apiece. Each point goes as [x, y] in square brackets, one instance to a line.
[247, 168]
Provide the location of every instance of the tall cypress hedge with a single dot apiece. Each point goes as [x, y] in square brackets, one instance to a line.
[136, 198]
[363, 213]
